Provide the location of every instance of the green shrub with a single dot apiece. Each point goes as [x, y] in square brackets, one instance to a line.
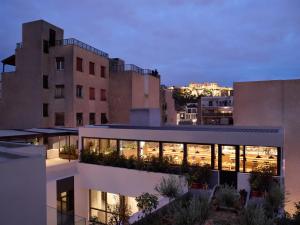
[195, 211]
[274, 200]
[147, 202]
[227, 196]
[169, 187]
[262, 179]
[199, 174]
[255, 215]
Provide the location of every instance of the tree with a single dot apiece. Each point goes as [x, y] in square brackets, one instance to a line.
[147, 202]
[170, 187]
[120, 214]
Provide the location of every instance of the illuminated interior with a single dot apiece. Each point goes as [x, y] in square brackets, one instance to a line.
[198, 154]
[149, 149]
[129, 148]
[103, 205]
[174, 152]
[258, 156]
[107, 146]
[228, 158]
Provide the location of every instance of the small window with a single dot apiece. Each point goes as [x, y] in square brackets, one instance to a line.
[45, 82]
[92, 93]
[103, 71]
[45, 46]
[45, 110]
[79, 91]
[103, 95]
[52, 37]
[79, 66]
[60, 63]
[92, 68]
[103, 118]
[59, 91]
[79, 119]
[92, 120]
[59, 119]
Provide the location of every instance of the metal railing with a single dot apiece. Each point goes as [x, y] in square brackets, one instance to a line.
[73, 41]
[133, 68]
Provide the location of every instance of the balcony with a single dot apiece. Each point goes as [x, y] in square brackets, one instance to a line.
[73, 41]
[133, 68]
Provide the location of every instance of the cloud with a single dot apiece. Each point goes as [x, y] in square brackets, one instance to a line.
[196, 40]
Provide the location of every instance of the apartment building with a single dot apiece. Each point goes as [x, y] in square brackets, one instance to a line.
[215, 110]
[56, 82]
[188, 116]
[131, 88]
[274, 103]
[167, 106]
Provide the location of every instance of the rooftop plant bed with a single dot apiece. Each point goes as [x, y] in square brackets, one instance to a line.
[195, 174]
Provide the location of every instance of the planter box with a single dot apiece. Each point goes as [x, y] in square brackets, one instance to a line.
[67, 156]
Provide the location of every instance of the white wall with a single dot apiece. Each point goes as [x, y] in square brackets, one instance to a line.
[119, 180]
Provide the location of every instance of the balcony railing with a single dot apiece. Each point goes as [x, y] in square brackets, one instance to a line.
[133, 68]
[73, 41]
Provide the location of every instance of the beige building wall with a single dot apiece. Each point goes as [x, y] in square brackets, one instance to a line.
[131, 90]
[274, 103]
[23, 94]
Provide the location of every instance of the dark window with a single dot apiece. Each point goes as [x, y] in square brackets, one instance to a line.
[79, 119]
[92, 93]
[103, 118]
[59, 119]
[103, 95]
[45, 82]
[79, 62]
[59, 91]
[45, 46]
[103, 71]
[52, 37]
[92, 118]
[79, 91]
[210, 103]
[92, 68]
[45, 110]
[60, 63]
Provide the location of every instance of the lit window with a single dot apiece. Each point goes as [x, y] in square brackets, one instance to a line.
[149, 150]
[199, 154]
[174, 152]
[128, 148]
[228, 158]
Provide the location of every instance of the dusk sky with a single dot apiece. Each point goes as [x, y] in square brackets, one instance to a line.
[186, 40]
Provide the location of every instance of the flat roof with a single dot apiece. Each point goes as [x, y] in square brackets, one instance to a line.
[36, 132]
[246, 129]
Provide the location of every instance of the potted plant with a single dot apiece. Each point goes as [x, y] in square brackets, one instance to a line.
[68, 152]
[261, 181]
[199, 176]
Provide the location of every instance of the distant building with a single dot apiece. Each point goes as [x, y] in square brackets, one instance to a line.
[168, 111]
[208, 89]
[131, 87]
[189, 115]
[215, 110]
[65, 82]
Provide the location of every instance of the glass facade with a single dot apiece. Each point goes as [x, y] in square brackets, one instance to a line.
[104, 205]
[257, 157]
[129, 149]
[199, 154]
[221, 157]
[228, 158]
[174, 152]
[149, 149]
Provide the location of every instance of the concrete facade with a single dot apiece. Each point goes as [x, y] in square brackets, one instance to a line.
[24, 108]
[131, 88]
[23, 182]
[274, 103]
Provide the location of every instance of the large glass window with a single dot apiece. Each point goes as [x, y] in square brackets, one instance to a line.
[258, 157]
[174, 152]
[128, 148]
[228, 158]
[91, 144]
[103, 205]
[149, 149]
[199, 154]
[108, 146]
